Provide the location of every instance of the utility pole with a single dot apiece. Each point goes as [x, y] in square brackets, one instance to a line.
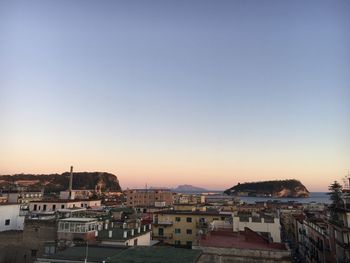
[86, 252]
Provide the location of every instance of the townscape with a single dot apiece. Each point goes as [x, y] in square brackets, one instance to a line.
[160, 225]
[171, 131]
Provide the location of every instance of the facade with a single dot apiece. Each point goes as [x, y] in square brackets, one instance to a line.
[23, 197]
[78, 229]
[55, 205]
[140, 236]
[182, 228]
[246, 247]
[269, 225]
[148, 197]
[10, 217]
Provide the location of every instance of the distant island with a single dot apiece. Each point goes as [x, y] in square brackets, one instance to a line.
[277, 188]
[59, 182]
[188, 188]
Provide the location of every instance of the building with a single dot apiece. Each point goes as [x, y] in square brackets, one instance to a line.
[23, 197]
[258, 222]
[148, 197]
[11, 217]
[181, 228]
[77, 229]
[57, 204]
[246, 246]
[140, 236]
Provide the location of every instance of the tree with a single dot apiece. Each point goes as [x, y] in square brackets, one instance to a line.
[335, 195]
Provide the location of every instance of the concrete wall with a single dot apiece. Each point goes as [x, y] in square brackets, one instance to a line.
[24, 246]
[235, 255]
[11, 212]
[142, 240]
[273, 228]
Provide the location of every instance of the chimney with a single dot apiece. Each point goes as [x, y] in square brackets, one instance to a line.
[70, 182]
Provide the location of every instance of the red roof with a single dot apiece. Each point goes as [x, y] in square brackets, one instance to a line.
[243, 239]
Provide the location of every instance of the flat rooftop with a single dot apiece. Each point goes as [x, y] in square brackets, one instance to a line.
[78, 253]
[156, 255]
[228, 239]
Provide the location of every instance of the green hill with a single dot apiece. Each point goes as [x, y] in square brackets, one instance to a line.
[276, 188]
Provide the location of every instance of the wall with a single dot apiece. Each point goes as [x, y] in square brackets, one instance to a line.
[237, 255]
[11, 212]
[183, 225]
[273, 228]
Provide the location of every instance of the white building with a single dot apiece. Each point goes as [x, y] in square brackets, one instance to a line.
[55, 205]
[269, 225]
[10, 217]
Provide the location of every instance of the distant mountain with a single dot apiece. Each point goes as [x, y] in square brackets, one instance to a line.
[59, 182]
[277, 188]
[188, 188]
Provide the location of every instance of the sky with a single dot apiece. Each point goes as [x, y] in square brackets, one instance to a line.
[208, 93]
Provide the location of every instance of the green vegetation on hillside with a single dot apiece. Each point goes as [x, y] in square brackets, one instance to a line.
[269, 188]
[59, 182]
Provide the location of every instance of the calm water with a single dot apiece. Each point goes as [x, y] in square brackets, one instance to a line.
[317, 197]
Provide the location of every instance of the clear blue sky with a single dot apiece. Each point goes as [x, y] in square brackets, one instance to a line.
[209, 93]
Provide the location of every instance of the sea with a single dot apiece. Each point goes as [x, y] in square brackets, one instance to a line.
[315, 197]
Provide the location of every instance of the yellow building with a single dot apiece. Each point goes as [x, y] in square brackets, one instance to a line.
[182, 228]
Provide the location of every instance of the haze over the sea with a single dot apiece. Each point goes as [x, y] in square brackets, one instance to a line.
[177, 92]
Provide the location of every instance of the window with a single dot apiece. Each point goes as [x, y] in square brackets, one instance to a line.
[44, 207]
[189, 243]
[160, 232]
[177, 231]
[177, 242]
[189, 231]
[135, 242]
[7, 222]
[189, 219]
[33, 252]
[177, 219]
[35, 207]
[53, 207]
[62, 206]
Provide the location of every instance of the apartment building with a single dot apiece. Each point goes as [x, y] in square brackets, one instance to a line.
[181, 228]
[23, 197]
[57, 204]
[148, 197]
[262, 223]
[10, 217]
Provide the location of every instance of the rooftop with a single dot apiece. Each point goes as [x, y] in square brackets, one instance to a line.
[78, 253]
[117, 234]
[156, 255]
[245, 240]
